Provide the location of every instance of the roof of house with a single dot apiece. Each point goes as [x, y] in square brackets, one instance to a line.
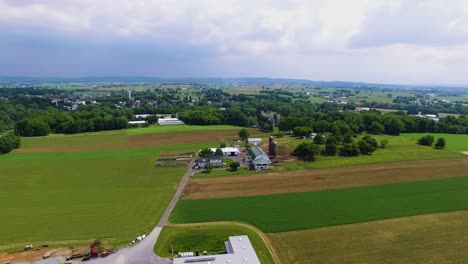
[256, 151]
[238, 248]
[226, 149]
[210, 159]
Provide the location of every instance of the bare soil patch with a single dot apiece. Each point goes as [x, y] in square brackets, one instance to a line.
[32, 254]
[314, 180]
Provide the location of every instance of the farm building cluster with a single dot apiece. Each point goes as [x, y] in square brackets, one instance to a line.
[253, 157]
[238, 250]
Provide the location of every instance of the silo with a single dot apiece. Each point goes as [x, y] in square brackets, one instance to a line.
[273, 149]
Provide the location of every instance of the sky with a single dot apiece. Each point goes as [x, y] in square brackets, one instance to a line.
[390, 41]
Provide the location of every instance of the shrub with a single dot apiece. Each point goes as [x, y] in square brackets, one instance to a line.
[234, 166]
[440, 144]
[426, 140]
[383, 143]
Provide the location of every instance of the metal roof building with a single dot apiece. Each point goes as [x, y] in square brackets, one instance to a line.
[259, 160]
[239, 251]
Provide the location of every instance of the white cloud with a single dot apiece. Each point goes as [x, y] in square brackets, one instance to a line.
[362, 40]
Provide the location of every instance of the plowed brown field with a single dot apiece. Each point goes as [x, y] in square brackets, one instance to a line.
[313, 180]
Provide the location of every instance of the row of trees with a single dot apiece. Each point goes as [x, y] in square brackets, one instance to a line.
[428, 140]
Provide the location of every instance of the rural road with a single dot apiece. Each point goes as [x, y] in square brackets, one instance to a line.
[141, 253]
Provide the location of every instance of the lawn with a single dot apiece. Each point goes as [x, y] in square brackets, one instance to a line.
[293, 211]
[210, 238]
[430, 239]
[453, 142]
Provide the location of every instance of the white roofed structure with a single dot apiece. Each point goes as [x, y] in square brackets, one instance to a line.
[239, 251]
[169, 121]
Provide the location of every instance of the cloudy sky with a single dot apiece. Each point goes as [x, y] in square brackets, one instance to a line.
[401, 41]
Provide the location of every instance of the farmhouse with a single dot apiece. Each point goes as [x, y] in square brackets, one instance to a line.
[254, 141]
[229, 151]
[169, 121]
[257, 158]
[216, 161]
[238, 248]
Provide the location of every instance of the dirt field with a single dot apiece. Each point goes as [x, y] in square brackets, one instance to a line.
[145, 140]
[429, 239]
[32, 255]
[313, 180]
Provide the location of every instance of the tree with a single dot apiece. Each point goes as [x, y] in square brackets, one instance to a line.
[376, 128]
[205, 153]
[234, 166]
[32, 127]
[8, 142]
[426, 140]
[383, 143]
[319, 139]
[244, 133]
[349, 150]
[208, 167]
[307, 151]
[222, 145]
[365, 147]
[219, 152]
[393, 126]
[302, 131]
[440, 144]
[330, 149]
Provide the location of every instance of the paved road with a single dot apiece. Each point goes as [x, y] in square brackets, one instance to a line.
[143, 252]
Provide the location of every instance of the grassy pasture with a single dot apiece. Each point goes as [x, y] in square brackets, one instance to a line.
[453, 142]
[208, 237]
[432, 239]
[293, 211]
[399, 148]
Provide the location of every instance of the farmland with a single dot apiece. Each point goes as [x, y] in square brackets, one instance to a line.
[284, 212]
[72, 189]
[313, 180]
[208, 237]
[432, 239]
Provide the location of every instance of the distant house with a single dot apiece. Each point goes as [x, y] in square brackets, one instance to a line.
[228, 151]
[257, 158]
[216, 161]
[169, 121]
[136, 122]
[254, 141]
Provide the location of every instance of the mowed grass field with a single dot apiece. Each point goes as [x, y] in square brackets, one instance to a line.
[293, 211]
[430, 239]
[208, 237]
[454, 142]
[399, 148]
[90, 191]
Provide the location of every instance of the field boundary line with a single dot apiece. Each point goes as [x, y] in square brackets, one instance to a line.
[262, 235]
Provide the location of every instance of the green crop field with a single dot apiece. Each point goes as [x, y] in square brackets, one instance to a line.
[431, 239]
[75, 197]
[453, 142]
[208, 237]
[292, 211]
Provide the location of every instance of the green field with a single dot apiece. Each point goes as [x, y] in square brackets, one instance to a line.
[76, 197]
[210, 238]
[292, 211]
[430, 239]
[453, 142]
[399, 148]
